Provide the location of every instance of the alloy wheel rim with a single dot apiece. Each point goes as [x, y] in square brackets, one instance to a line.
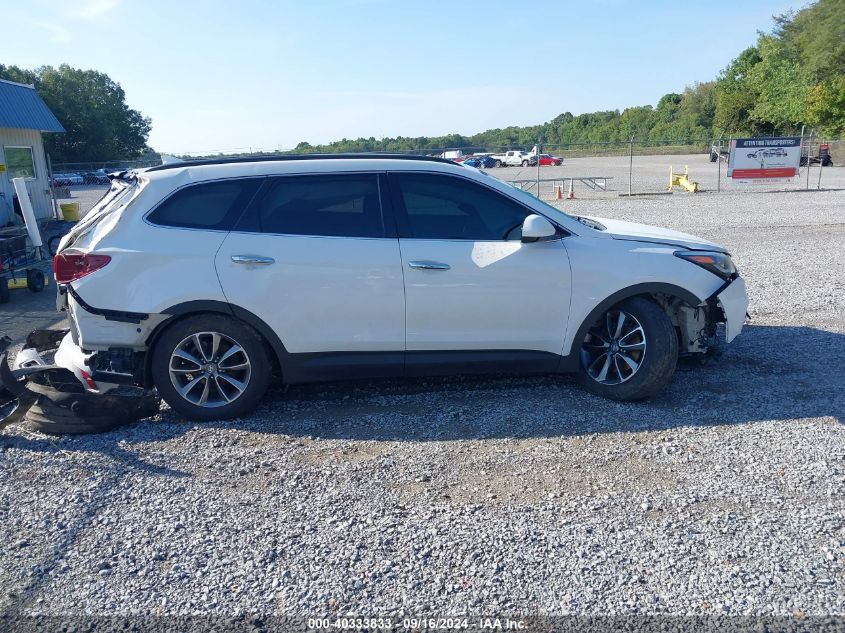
[209, 369]
[614, 348]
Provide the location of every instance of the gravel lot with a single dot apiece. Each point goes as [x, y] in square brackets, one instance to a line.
[723, 495]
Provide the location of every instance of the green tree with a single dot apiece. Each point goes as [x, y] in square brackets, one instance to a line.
[92, 108]
[779, 86]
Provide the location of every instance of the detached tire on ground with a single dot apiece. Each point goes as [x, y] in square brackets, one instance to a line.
[630, 352]
[210, 367]
[72, 411]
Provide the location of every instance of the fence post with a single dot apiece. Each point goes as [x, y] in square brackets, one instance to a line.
[719, 167]
[631, 165]
[809, 148]
[821, 166]
[539, 149]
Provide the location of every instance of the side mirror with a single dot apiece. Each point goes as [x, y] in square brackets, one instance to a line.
[536, 227]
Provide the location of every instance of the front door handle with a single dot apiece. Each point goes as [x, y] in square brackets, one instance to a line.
[428, 265]
[253, 259]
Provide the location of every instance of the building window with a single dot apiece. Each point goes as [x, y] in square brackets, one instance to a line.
[19, 163]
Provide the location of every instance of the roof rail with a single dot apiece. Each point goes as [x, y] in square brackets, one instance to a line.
[286, 157]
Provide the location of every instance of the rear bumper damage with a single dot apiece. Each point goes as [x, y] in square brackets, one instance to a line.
[61, 397]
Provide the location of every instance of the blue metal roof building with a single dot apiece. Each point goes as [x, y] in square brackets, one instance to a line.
[22, 108]
[23, 118]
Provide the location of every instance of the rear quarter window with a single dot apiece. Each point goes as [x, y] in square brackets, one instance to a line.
[213, 205]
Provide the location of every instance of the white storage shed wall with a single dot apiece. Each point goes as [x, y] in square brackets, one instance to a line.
[38, 187]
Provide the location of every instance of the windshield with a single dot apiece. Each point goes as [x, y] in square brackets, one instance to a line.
[528, 197]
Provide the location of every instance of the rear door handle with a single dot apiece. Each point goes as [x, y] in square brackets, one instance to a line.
[428, 265]
[253, 259]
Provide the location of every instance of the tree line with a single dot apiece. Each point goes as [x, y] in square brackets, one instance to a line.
[793, 76]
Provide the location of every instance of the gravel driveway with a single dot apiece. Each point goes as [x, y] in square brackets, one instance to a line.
[723, 495]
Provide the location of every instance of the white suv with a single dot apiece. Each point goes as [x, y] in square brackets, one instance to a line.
[204, 279]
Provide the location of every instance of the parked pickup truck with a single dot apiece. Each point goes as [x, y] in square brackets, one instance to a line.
[514, 158]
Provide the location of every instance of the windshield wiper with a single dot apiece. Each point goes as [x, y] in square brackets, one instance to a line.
[598, 226]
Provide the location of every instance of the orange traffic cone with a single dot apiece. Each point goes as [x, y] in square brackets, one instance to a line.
[571, 195]
[558, 192]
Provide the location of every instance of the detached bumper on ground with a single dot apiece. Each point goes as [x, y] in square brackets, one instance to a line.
[734, 303]
[53, 399]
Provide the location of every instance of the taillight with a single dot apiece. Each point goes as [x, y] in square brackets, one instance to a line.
[70, 265]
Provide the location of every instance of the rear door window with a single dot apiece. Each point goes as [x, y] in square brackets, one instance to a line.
[215, 205]
[336, 205]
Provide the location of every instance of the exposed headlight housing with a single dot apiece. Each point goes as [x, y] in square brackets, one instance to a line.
[717, 263]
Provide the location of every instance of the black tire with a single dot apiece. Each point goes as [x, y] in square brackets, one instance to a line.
[827, 162]
[525, 163]
[48, 418]
[5, 295]
[53, 244]
[657, 363]
[498, 163]
[239, 332]
[713, 157]
[35, 280]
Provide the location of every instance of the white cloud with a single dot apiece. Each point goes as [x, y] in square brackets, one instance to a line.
[93, 9]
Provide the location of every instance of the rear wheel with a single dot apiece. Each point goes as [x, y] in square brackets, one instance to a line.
[630, 352]
[210, 367]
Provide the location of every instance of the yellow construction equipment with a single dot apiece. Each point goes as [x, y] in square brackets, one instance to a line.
[682, 180]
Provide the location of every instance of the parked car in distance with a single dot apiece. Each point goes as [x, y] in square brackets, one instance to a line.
[65, 180]
[548, 160]
[415, 266]
[479, 162]
[98, 177]
[514, 158]
[71, 179]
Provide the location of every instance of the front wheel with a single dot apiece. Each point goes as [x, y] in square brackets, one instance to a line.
[525, 163]
[630, 352]
[210, 367]
[498, 163]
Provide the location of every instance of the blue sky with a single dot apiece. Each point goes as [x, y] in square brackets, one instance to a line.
[226, 76]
